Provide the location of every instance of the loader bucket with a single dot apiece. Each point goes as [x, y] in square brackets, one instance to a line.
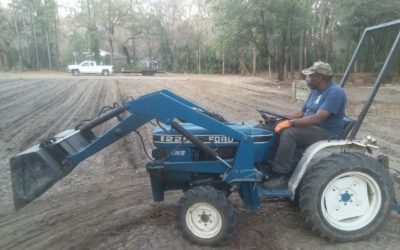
[33, 172]
[38, 168]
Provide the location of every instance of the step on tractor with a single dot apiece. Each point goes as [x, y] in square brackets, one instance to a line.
[344, 190]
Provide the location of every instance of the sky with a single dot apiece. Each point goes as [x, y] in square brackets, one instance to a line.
[63, 5]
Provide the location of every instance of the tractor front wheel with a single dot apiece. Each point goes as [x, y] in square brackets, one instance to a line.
[346, 197]
[206, 216]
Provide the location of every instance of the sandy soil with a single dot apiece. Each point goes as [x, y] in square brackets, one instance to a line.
[106, 203]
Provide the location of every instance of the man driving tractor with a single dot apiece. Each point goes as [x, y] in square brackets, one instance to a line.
[321, 118]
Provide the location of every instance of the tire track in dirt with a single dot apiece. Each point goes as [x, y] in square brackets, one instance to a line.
[62, 110]
[8, 87]
[64, 215]
[37, 114]
[28, 90]
[16, 108]
[5, 82]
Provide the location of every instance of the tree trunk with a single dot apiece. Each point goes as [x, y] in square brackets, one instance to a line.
[285, 69]
[269, 68]
[1, 60]
[313, 49]
[254, 61]
[110, 41]
[187, 59]
[243, 68]
[305, 54]
[199, 59]
[19, 44]
[276, 55]
[89, 24]
[223, 61]
[57, 53]
[48, 50]
[35, 43]
[356, 66]
[291, 64]
[346, 57]
[301, 51]
[282, 72]
[281, 63]
[133, 49]
[25, 32]
[5, 60]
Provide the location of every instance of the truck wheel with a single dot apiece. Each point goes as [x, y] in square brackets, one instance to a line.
[346, 197]
[105, 72]
[206, 216]
[75, 72]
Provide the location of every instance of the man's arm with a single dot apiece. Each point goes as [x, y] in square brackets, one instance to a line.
[295, 115]
[331, 105]
[306, 121]
[311, 120]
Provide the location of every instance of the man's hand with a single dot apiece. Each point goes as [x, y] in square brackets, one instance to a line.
[282, 125]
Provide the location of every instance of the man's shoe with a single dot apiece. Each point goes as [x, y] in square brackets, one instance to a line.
[278, 182]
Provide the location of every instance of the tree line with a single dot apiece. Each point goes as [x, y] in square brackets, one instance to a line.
[197, 36]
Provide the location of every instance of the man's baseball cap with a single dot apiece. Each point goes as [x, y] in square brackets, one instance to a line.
[318, 67]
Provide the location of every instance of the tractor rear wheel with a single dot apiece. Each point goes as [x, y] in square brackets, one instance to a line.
[346, 197]
[206, 216]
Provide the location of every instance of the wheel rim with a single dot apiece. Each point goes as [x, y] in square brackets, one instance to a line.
[351, 201]
[203, 220]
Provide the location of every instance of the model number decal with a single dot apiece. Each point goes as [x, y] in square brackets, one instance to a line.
[171, 138]
[179, 153]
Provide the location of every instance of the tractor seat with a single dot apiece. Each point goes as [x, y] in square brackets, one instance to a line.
[348, 126]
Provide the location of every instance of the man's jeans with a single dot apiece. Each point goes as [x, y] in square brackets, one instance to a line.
[292, 138]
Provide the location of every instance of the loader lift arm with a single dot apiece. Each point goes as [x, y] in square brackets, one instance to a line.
[163, 106]
[167, 107]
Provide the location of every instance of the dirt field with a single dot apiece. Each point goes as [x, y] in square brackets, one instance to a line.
[106, 203]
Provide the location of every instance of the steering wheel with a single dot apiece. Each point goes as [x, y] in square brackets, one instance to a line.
[270, 113]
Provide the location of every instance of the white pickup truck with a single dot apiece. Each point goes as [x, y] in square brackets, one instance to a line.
[90, 67]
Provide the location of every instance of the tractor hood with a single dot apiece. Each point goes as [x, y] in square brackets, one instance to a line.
[167, 135]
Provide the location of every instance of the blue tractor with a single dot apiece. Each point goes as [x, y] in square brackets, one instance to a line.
[344, 192]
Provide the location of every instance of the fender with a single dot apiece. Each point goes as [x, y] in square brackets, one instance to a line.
[323, 149]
